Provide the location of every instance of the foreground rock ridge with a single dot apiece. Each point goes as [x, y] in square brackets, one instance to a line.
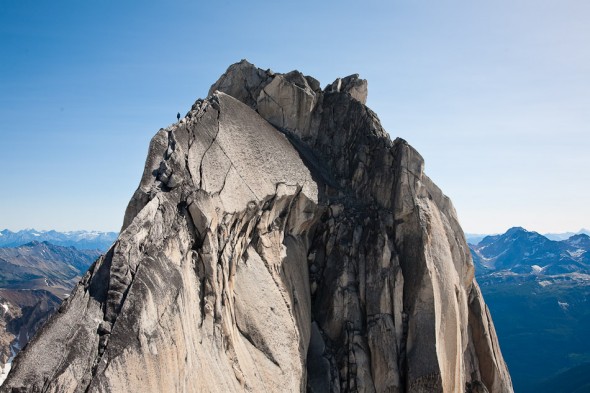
[279, 241]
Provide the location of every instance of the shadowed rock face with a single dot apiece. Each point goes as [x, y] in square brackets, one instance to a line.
[278, 241]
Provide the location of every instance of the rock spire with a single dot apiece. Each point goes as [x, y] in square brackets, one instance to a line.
[278, 241]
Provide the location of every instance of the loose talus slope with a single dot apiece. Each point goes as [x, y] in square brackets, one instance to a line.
[279, 241]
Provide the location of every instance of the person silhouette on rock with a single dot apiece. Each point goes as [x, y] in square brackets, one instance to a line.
[178, 116]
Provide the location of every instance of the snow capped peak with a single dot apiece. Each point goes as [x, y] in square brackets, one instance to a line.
[79, 239]
[515, 230]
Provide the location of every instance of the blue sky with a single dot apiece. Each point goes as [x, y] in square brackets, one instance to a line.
[494, 95]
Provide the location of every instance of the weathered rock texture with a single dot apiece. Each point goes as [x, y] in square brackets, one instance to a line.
[279, 241]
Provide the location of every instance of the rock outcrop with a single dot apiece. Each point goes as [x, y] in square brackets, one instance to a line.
[278, 241]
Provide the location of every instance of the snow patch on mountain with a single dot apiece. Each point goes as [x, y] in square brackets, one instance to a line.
[82, 240]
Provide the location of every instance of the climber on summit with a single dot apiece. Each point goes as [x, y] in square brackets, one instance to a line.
[178, 116]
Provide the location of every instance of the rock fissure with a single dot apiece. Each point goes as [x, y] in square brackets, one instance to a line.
[225, 179]
[205, 153]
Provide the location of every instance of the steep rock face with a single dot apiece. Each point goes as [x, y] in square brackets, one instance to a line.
[278, 241]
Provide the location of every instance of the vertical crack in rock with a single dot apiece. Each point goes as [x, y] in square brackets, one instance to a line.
[206, 150]
[278, 241]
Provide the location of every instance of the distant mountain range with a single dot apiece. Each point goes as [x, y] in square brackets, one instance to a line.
[82, 240]
[519, 251]
[475, 238]
[42, 265]
[566, 235]
[538, 292]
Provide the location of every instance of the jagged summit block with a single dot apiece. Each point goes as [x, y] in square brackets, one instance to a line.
[279, 241]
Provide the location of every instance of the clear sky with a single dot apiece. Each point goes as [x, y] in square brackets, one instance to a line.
[495, 95]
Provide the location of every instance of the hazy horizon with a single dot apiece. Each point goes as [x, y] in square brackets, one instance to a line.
[467, 233]
[494, 96]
